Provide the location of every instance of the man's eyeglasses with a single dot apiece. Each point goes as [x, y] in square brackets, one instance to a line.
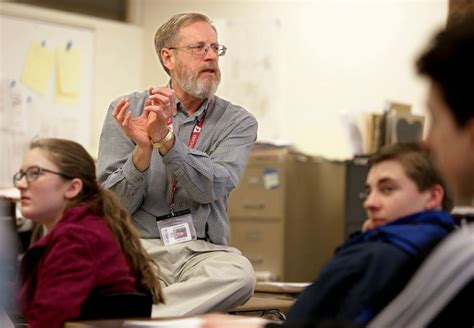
[201, 49]
[32, 173]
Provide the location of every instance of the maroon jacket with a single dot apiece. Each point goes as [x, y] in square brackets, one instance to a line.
[79, 255]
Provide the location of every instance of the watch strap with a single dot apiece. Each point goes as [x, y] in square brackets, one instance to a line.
[159, 144]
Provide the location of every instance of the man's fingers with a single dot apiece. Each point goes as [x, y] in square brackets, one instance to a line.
[120, 109]
[161, 90]
[159, 99]
[126, 120]
[157, 110]
[164, 97]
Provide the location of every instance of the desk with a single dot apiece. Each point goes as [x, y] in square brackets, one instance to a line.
[272, 308]
[293, 288]
[264, 303]
[251, 312]
[272, 300]
[191, 322]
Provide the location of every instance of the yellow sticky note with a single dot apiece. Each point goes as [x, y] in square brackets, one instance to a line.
[37, 67]
[68, 68]
[64, 98]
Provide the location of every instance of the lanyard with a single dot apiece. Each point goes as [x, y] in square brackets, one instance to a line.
[191, 144]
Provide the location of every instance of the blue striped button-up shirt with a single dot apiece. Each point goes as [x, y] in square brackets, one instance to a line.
[205, 175]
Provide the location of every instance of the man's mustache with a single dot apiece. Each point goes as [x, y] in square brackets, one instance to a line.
[209, 67]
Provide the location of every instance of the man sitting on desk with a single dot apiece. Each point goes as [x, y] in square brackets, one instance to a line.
[173, 154]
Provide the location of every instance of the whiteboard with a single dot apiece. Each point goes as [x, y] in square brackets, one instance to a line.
[27, 113]
[252, 68]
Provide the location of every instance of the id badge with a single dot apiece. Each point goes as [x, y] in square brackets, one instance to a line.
[176, 228]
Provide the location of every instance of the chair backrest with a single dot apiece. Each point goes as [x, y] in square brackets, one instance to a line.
[444, 282]
[116, 305]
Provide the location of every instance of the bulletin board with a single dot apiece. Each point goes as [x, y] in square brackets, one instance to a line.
[46, 79]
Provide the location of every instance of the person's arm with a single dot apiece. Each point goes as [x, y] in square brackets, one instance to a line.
[208, 177]
[65, 279]
[347, 284]
[116, 168]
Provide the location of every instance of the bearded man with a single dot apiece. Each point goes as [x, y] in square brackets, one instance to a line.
[173, 154]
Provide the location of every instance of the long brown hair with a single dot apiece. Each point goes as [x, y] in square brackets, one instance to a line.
[74, 161]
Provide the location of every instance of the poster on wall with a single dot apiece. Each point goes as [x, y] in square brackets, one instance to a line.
[45, 86]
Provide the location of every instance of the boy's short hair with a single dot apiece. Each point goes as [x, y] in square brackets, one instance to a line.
[417, 162]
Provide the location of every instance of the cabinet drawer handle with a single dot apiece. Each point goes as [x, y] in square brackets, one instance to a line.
[254, 206]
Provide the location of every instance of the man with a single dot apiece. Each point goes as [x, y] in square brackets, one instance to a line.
[173, 154]
[441, 292]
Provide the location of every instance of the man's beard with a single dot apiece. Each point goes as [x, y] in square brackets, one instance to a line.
[193, 85]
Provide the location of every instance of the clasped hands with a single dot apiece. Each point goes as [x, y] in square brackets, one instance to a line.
[152, 123]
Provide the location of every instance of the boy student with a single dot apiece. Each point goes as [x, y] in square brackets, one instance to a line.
[405, 198]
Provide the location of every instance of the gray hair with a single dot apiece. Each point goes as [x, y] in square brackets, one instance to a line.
[167, 34]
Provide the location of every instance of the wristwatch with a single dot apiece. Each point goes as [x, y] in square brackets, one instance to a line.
[159, 144]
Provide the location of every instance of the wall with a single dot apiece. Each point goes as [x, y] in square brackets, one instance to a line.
[350, 55]
[118, 50]
[337, 55]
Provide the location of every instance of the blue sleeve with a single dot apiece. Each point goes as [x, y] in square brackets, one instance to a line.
[348, 283]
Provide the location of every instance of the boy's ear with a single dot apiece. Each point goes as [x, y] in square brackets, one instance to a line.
[435, 198]
[73, 189]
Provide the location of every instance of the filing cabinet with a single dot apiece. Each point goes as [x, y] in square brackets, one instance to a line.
[355, 175]
[288, 212]
[261, 242]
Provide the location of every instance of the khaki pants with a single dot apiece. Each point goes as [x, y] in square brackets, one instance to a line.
[199, 277]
